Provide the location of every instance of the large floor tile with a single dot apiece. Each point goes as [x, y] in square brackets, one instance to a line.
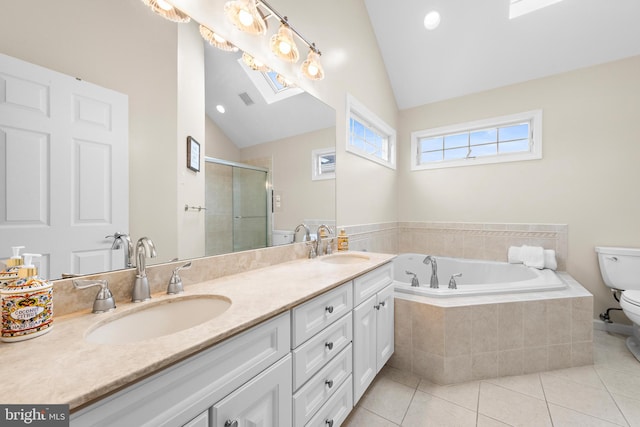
[388, 399]
[427, 410]
[525, 384]
[563, 417]
[484, 421]
[620, 382]
[363, 418]
[511, 407]
[399, 376]
[465, 394]
[585, 375]
[630, 409]
[594, 401]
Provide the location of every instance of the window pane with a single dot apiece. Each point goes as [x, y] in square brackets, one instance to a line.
[514, 146]
[484, 136]
[357, 142]
[453, 141]
[484, 150]
[357, 128]
[455, 153]
[431, 144]
[520, 131]
[431, 156]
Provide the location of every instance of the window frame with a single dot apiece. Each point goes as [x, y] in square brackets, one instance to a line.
[534, 117]
[356, 108]
[316, 172]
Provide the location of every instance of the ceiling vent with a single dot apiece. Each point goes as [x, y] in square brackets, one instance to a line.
[246, 99]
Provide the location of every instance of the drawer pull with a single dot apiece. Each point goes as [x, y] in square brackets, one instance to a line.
[329, 309]
[382, 303]
[329, 383]
[329, 423]
[230, 423]
[329, 345]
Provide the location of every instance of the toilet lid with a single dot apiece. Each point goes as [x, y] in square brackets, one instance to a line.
[632, 297]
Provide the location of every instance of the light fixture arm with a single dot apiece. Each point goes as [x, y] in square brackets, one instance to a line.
[284, 20]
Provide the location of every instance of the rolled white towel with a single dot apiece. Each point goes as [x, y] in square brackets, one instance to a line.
[515, 255]
[533, 256]
[550, 259]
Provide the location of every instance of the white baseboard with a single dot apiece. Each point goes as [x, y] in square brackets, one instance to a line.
[617, 328]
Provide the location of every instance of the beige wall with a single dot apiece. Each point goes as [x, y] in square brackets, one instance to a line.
[122, 46]
[586, 179]
[291, 178]
[218, 144]
[352, 64]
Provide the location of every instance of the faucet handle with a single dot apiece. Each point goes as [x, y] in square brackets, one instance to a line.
[414, 279]
[452, 281]
[175, 283]
[104, 299]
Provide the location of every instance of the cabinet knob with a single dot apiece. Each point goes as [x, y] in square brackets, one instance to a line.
[329, 345]
[230, 423]
[329, 383]
[382, 303]
[329, 423]
[377, 306]
[329, 309]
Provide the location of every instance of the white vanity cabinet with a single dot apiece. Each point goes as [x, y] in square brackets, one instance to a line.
[185, 393]
[373, 322]
[322, 355]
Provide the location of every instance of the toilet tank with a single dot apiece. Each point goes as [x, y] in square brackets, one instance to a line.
[282, 237]
[619, 267]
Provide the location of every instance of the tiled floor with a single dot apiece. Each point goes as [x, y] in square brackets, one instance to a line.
[605, 394]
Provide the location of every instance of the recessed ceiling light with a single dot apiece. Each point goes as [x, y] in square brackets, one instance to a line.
[220, 109]
[432, 20]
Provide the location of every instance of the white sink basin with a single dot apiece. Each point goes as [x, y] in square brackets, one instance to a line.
[154, 320]
[344, 258]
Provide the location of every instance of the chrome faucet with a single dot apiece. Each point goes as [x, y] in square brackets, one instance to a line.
[175, 283]
[144, 248]
[414, 279]
[122, 240]
[307, 235]
[104, 299]
[452, 281]
[433, 283]
[319, 249]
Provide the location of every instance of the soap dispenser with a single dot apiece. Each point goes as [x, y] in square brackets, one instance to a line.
[10, 273]
[343, 241]
[27, 304]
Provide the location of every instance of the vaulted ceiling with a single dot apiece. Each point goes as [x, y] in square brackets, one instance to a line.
[477, 47]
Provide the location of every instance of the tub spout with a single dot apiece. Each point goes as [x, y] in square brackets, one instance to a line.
[433, 283]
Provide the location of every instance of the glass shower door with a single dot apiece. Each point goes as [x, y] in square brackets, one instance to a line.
[249, 209]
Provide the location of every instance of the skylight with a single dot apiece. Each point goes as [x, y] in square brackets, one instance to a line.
[522, 7]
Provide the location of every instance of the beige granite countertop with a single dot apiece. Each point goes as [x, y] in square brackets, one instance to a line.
[60, 367]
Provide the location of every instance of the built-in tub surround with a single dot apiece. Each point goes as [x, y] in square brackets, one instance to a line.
[452, 340]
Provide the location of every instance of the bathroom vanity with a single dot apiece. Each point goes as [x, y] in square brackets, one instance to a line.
[282, 354]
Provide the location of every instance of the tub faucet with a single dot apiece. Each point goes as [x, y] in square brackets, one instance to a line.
[414, 279]
[122, 240]
[452, 281]
[433, 283]
[144, 248]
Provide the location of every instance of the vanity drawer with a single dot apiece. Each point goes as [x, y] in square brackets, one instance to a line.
[337, 408]
[311, 356]
[321, 387]
[370, 283]
[315, 315]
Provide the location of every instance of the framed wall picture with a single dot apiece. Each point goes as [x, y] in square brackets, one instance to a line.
[193, 154]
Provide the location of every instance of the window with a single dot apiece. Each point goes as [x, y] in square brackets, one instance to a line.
[501, 139]
[323, 164]
[368, 136]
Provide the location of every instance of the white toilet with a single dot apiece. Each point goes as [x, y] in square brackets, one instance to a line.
[620, 269]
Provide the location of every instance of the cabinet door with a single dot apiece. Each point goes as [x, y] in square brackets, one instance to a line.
[264, 401]
[384, 342]
[364, 346]
[201, 420]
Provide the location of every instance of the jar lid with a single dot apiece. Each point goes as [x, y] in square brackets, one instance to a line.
[26, 284]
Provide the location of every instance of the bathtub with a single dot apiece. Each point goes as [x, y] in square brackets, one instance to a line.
[478, 277]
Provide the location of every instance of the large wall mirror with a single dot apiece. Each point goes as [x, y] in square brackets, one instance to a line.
[125, 47]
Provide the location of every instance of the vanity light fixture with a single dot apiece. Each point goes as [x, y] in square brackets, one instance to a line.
[245, 15]
[253, 63]
[283, 45]
[167, 11]
[311, 67]
[216, 40]
[284, 81]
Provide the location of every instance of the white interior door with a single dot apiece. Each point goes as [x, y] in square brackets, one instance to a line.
[64, 155]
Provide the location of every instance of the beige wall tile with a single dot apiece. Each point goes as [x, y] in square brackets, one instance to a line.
[582, 319]
[535, 324]
[559, 321]
[510, 326]
[429, 366]
[457, 335]
[581, 353]
[403, 322]
[559, 356]
[427, 332]
[457, 369]
[535, 359]
[484, 365]
[401, 358]
[510, 362]
[484, 328]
